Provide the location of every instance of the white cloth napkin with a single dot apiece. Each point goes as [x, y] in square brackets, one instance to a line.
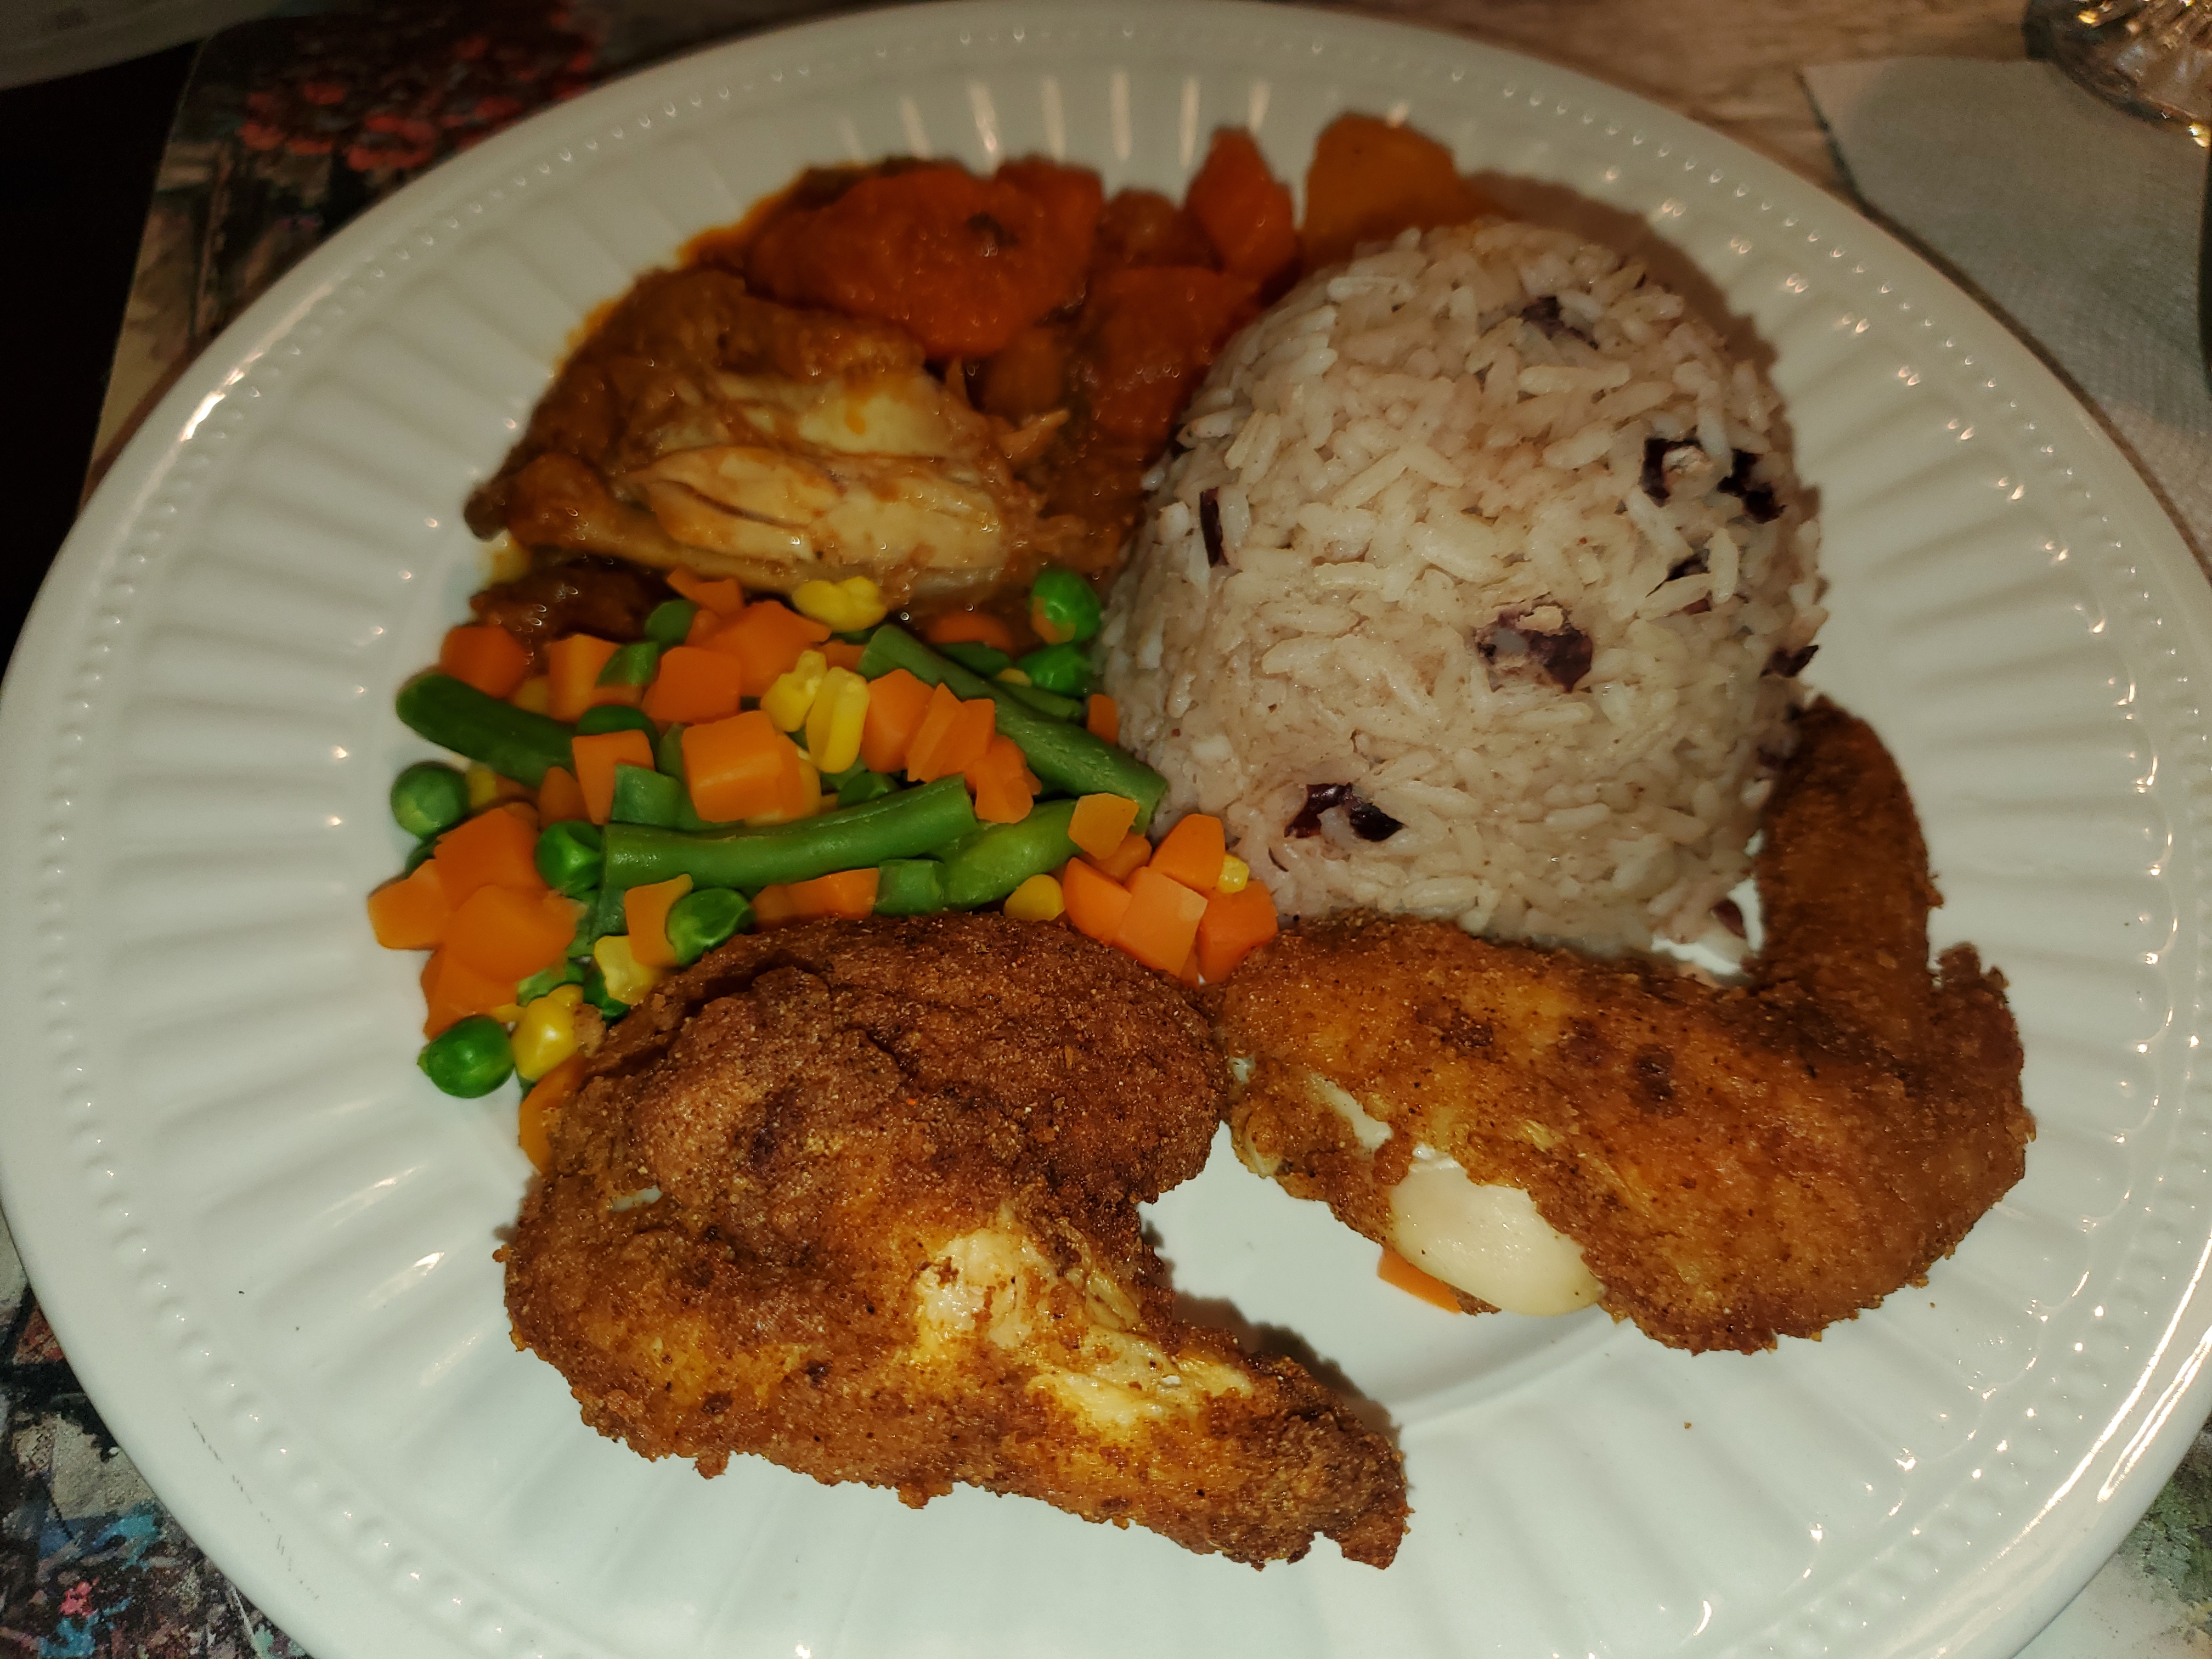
[2077, 223]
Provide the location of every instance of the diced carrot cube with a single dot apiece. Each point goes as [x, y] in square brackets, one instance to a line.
[896, 702]
[1234, 924]
[705, 624]
[597, 757]
[644, 917]
[774, 907]
[1395, 1269]
[572, 669]
[495, 848]
[844, 894]
[454, 989]
[1191, 853]
[951, 738]
[1100, 824]
[1162, 925]
[486, 656]
[1001, 780]
[738, 767]
[1124, 861]
[1188, 973]
[1244, 209]
[507, 933]
[410, 914]
[767, 636]
[693, 686]
[724, 596]
[1101, 718]
[1097, 903]
[560, 797]
[533, 1120]
[970, 628]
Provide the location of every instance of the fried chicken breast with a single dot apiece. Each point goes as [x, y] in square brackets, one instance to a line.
[861, 1197]
[1721, 1166]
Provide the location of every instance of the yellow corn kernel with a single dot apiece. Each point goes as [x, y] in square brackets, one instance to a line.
[1012, 677]
[506, 1013]
[792, 694]
[534, 693]
[1236, 874]
[506, 560]
[546, 1034]
[1037, 899]
[843, 607]
[483, 785]
[628, 979]
[833, 724]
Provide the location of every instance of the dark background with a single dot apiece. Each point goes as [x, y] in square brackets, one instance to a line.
[81, 154]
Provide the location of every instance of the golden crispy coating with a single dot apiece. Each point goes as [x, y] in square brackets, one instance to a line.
[1735, 1163]
[861, 1197]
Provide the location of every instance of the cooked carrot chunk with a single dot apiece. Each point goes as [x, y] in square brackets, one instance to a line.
[1101, 718]
[846, 895]
[1368, 180]
[644, 917]
[1192, 852]
[744, 768]
[534, 1118]
[410, 914]
[1395, 1269]
[597, 757]
[454, 989]
[896, 702]
[1234, 924]
[1244, 209]
[1124, 861]
[486, 656]
[560, 797]
[1097, 903]
[1002, 783]
[494, 848]
[724, 596]
[970, 628]
[693, 686]
[507, 933]
[1100, 822]
[1162, 923]
[767, 636]
[572, 669]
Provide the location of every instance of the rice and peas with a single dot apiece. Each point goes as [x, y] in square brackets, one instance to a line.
[1478, 590]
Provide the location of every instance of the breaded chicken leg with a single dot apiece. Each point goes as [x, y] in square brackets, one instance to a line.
[861, 1197]
[1732, 1164]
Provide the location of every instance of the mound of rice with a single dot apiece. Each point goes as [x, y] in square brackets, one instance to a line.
[1483, 536]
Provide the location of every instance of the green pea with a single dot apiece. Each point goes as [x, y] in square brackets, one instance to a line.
[633, 665]
[1065, 669]
[419, 855]
[614, 717]
[595, 992]
[545, 980]
[468, 1057]
[429, 797]
[976, 657]
[702, 919]
[567, 856]
[669, 622]
[1063, 607]
[865, 786]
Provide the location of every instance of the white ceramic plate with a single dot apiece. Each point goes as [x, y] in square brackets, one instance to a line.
[266, 1243]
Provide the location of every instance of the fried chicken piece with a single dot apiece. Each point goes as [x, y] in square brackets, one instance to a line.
[1732, 1164]
[861, 1197]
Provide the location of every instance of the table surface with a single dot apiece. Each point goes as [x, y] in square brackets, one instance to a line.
[89, 1563]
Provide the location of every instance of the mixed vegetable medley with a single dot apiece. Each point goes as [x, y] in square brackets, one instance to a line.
[747, 764]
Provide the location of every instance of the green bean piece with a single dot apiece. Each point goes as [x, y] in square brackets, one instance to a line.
[903, 825]
[602, 718]
[580, 941]
[633, 665]
[668, 751]
[1063, 607]
[429, 797]
[669, 622]
[419, 855]
[703, 919]
[990, 864]
[545, 980]
[1065, 669]
[976, 657]
[595, 992]
[644, 796]
[567, 856]
[468, 1057]
[862, 787]
[910, 887]
[1048, 703]
[513, 742]
[609, 914]
[1067, 758]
